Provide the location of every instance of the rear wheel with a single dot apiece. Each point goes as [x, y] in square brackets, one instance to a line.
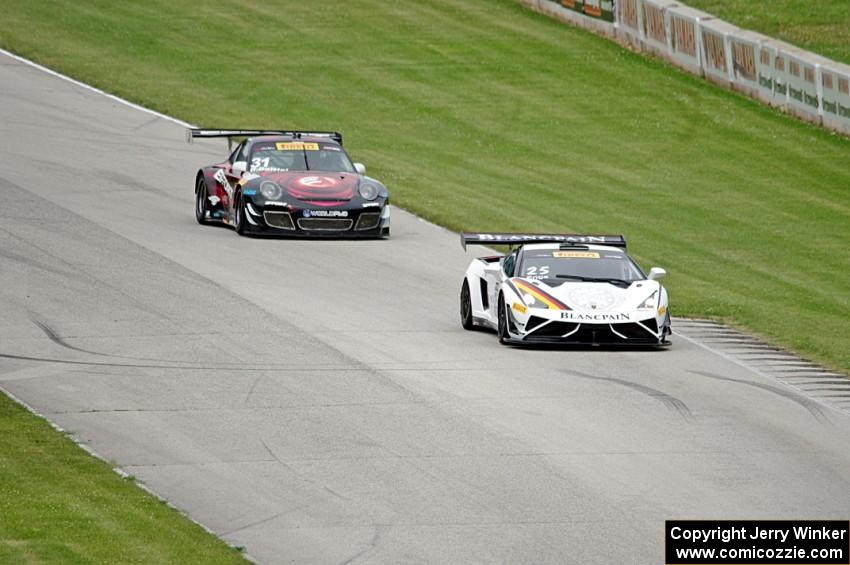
[466, 307]
[502, 317]
[201, 206]
[239, 211]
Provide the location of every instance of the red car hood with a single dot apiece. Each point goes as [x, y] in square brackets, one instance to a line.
[317, 187]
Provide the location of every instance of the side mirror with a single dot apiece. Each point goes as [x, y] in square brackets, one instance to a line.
[360, 168]
[656, 273]
[239, 168]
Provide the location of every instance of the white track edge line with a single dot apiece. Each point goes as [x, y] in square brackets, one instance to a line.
[118, 470]
[94, 89]
[760, 373]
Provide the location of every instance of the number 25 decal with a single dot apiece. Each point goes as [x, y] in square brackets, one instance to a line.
[533, 271]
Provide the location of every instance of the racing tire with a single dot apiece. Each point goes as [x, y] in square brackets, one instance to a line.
[239, 222]
[502, 317]
[667, 332]
[466, 307]
[201, 203]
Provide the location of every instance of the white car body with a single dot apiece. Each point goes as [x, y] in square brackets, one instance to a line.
[547, 310]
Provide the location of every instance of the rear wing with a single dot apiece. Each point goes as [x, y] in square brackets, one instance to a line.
[467, 238]
[192, 133]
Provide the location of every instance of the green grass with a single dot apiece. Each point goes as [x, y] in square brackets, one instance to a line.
[60, 505]
[480, 114]
[822, 26]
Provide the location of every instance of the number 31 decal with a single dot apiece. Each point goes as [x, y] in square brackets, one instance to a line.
[257, 162]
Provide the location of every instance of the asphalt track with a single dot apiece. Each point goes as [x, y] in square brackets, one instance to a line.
[318, 402]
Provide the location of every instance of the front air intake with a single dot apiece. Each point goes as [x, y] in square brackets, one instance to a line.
[325, 224]
[368, 221]
[280, 220]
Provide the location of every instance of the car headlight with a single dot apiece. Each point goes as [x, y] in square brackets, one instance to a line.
[270, 190]
[528, 299]
[369, 191]
[649, 303]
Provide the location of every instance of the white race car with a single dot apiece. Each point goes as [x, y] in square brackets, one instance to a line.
[567, 289]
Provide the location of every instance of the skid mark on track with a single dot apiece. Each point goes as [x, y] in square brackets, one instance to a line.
[373, 544]
[57, 339]
[240, 369]
[34, 263]
[671, 402]
[54, 336]
[813, 407]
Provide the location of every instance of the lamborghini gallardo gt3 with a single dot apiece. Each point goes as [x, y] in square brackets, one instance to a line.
[297, 183]
[565, 289]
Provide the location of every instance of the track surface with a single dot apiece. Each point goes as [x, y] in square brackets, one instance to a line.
[318, 401]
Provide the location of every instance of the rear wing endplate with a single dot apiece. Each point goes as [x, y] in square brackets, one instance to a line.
[467, 238]
[192, 133]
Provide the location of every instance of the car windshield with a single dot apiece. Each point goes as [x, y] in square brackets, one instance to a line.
[276, 157]
[565, 265]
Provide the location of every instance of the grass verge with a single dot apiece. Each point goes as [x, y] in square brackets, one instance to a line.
[481, 114]
[59, 504]
[822, 27]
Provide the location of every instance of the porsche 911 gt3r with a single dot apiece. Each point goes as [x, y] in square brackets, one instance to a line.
[290, 183]
[569, 289]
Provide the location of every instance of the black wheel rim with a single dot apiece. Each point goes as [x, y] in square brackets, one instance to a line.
[465, 305]
[200, 207]
[502, 322]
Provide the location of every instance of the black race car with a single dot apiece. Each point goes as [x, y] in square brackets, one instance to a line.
[283, 182]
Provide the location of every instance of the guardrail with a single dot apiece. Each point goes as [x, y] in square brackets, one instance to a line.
[805, 84]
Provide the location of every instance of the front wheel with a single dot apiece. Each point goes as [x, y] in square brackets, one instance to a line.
[466, 307]
[503, 322]
[239, 221]
[201, 208]
[667, 330]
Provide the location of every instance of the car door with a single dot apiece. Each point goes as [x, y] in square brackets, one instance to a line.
[501, 271]
[227, 179]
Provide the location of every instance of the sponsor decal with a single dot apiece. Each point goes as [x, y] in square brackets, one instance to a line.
[250, 192]
[296, 145]
[579, 317]
[317, 182]
[519, 308]
[262, 169]
[661, 310]
[222, 180]
[575, 254]
[325, 213]
[516, 237]
[371, 204]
